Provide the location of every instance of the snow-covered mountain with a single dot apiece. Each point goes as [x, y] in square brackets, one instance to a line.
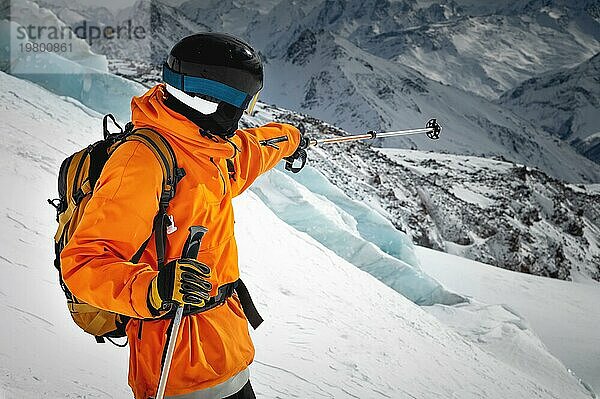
[350, 88]
[488, 47]
[161, 26]
[226, 15]
[565, 103]
[339, 61]
[321, 339]
[325, 64]
[356, 64]
[482, 47]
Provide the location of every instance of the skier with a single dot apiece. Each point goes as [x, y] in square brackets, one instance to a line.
[209, 80]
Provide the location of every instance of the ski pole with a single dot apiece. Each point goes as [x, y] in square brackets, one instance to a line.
[432, 129]
[190, 251]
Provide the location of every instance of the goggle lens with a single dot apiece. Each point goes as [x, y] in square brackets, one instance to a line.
[250, 109]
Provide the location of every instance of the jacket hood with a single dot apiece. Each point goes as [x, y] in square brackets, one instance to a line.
[149, 110]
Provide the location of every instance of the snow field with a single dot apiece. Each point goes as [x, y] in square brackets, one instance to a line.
[561, 313]
[362, 339]
[43, 354]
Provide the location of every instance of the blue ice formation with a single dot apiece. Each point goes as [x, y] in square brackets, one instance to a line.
[351, 230]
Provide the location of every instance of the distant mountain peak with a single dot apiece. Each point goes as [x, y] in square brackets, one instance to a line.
[565, 103]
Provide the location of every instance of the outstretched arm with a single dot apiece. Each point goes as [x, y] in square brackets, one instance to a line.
[261, 149]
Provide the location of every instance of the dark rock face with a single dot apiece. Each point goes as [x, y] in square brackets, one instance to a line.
[300, 51]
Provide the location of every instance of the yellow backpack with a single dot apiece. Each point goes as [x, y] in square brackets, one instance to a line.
[77, 177]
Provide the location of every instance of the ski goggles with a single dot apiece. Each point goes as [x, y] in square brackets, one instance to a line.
[250, 109]
[211, 88]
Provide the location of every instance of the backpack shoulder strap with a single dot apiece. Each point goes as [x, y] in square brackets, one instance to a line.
[165, 155]
[172, 174]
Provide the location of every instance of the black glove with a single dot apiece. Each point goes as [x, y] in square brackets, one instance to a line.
[300, 153]
[183, 281]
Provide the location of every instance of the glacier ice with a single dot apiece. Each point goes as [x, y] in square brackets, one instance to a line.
[346, 227]
[26, 14]
[372, 226]
[101, 91]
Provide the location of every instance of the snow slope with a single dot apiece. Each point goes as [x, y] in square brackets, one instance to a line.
[43, 355]
[332, 330]
[556, 310]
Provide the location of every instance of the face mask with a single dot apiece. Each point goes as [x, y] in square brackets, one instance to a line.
[198, 103]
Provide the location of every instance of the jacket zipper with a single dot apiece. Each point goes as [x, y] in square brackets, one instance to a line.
[272, 142]
[221, 175]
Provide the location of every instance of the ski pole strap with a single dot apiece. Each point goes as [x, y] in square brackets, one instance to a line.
[289, 161]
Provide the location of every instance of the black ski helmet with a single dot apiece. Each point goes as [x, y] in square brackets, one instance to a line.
[217, 67]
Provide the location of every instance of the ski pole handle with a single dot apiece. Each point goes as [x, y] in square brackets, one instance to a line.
[190, 251]
[192, 244]
[435, 127]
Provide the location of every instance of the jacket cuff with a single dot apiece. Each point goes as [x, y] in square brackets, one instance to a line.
[139, 293]
[294, 136]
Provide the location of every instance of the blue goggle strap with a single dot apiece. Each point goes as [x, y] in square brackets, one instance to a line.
[212, 88]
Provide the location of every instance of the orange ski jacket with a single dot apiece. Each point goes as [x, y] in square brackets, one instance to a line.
[211, 346]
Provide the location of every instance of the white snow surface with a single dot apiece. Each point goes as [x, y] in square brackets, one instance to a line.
[556, 310]
[332, 330]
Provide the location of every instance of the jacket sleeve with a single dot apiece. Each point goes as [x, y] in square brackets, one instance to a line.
[115, 223]
[258, 156]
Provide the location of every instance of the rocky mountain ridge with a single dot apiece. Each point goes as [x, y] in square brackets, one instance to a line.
[489, 210]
